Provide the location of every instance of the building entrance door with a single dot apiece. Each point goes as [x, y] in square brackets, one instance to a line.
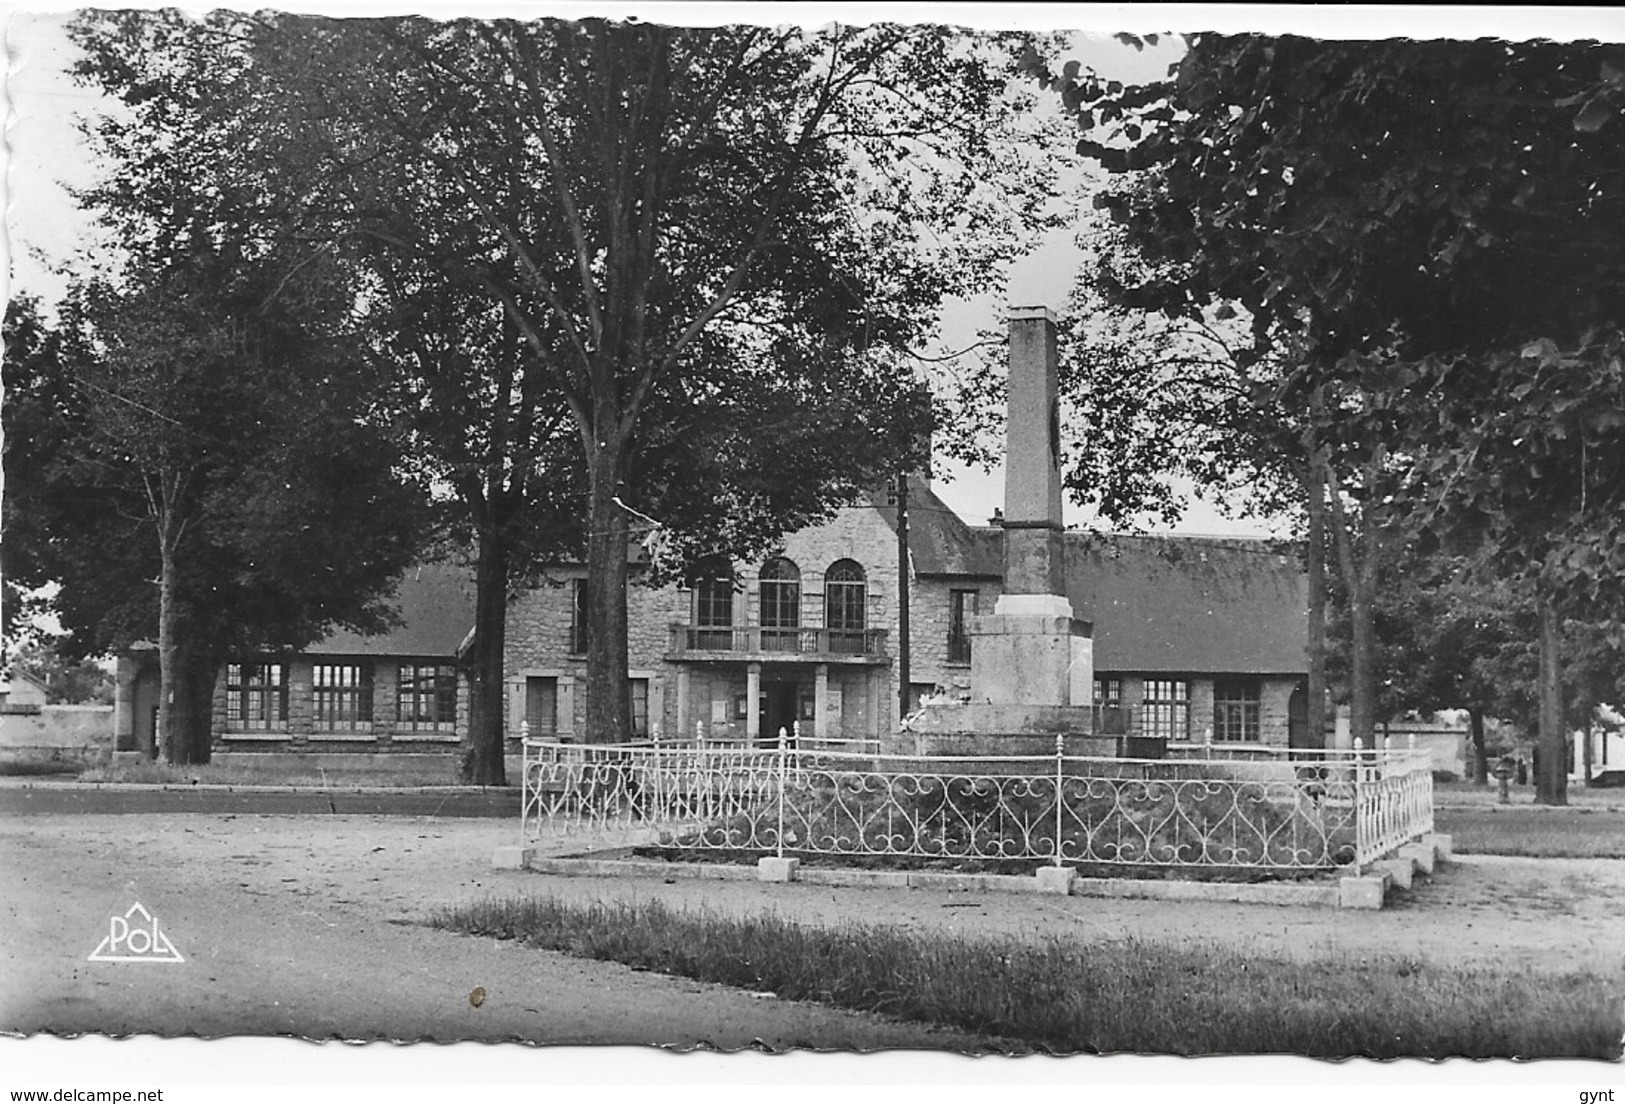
[779, 701]
[1297, 721]
[144, 713]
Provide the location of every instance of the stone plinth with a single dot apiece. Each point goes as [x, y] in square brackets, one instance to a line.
[981, 729]
[1031, 651]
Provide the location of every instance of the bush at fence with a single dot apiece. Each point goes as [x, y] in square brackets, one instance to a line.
[1147, 821]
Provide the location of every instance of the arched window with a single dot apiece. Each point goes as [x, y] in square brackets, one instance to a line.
[781, 604]
[714, 594]
[845, 605]
[714, 604]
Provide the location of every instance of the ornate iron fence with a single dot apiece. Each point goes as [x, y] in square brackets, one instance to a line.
[1272, 812]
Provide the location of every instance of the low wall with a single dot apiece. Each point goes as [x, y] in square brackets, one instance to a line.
[271, 764]
[57, 731]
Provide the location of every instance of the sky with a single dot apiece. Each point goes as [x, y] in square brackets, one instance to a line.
[43, 151]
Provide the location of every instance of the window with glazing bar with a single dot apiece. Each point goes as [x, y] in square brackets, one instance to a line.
[637, 692]
[780, 604]
[1109, 691]
[256, 696]
[342, 695]
[961, 608]
[714, 606]
[1167, 709]
[427, 700]
[1236, 706]
[845, 605]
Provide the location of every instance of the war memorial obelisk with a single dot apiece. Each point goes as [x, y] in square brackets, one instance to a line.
[1032, 660]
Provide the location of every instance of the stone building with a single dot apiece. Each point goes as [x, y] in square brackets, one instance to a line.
[1193, 636]
[802, 637]
[1184, 639]
[1187, 638]
[400, 690]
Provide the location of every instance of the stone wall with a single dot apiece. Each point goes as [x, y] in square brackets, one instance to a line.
[930, 616]
[61, 731]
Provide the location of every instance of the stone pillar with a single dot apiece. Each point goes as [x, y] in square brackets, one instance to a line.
[516, 706]
[386, 691]
[657, 703]
[300, 675]
[821, 724]
[684, 727]
[753, 701]
[124, 705]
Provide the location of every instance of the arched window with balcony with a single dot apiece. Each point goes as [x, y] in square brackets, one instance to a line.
[845, 606]
[714, 604]
[780, 605]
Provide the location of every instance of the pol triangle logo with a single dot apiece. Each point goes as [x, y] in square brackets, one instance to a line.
[135, 937]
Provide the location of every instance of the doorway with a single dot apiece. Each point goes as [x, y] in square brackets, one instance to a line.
[779, 703]
[144, 712]
[1297, 720]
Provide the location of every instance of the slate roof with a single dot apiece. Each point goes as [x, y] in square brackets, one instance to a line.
[436, 606]
[939, 541]
[1190, 604]
[1160, 604]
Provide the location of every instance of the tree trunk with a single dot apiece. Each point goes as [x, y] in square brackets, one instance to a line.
[1585, 750]
[198, 670]
[1362, 659]
[174, 744]
[1551, 781]
[1479, 765]
[1315, 502]
[608, 713]
[1358, 558]
[482, 759]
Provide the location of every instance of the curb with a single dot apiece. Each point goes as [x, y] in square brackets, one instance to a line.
[252, 788]
[1324, 895]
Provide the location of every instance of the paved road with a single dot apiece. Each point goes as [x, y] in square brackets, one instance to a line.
[36, 800]
[316, 927]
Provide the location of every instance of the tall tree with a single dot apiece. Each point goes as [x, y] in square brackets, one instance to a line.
[1402, 210]
[736, 193]
[704, 237]
[196, 474]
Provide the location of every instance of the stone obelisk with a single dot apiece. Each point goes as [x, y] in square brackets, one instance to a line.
[1031, 650]
[1032, 661]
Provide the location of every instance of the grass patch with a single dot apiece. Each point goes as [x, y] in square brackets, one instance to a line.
[1579, 795]
[1537, 832]
[39, 768]
[1132, 996]
[150, 772]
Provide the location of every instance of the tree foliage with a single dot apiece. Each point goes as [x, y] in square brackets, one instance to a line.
[186, 458]
[1431, 227]
[707, 246]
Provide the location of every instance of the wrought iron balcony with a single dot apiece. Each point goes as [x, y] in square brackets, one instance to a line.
[704, 642]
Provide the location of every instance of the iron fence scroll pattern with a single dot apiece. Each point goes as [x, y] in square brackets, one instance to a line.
[1301, 812]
